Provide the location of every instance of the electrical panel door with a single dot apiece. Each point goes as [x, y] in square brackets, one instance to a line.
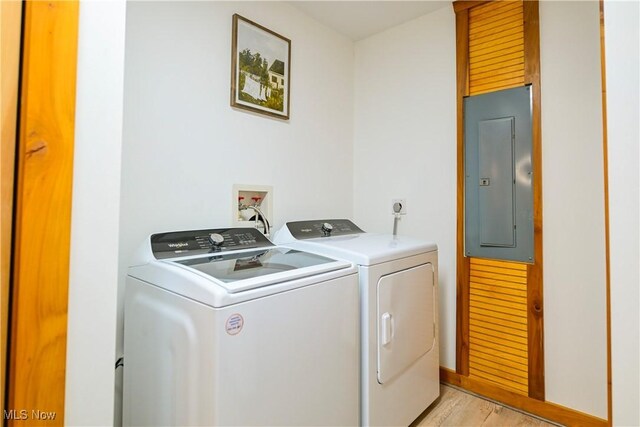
[496, 183]
[498, 175]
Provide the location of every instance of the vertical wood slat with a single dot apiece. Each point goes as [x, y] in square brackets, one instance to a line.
[535, 271]
[11, 30]
[496, 29]
[605, 157]
[43, 215]
[498, 328]
[462, 262]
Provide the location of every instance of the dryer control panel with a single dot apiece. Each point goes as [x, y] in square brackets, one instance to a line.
[195, 242]
[302, 230]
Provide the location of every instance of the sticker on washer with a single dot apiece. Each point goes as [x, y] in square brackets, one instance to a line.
[234, 324]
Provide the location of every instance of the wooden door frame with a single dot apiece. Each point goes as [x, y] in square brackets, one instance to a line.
[42, 228]
[534, 271]
[11, 28]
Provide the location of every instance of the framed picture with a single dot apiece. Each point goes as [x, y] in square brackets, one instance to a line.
[260, 69]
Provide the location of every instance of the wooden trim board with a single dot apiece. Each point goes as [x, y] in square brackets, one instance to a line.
[462, 5]
[43, 214]
[548, 410]
[534, 271]
[462, 262]
[605, 156]
[11, 27]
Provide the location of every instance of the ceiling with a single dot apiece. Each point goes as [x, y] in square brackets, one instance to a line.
[360, 19]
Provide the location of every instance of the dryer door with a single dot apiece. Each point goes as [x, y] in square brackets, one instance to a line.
[405, 319]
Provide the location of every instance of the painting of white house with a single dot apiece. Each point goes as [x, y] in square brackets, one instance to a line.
[260, 75]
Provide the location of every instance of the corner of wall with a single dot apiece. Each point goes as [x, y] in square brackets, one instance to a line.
[91, 331]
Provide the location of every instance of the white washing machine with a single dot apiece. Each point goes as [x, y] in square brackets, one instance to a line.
[399, 314]
[224, 328]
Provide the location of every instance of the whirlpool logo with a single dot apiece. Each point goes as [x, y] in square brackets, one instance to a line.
[178, 245]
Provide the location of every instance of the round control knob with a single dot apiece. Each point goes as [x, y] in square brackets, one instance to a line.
[326, 228]
[216, 239]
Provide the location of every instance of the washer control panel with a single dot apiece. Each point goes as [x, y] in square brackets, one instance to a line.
[302, 230]
[195, 242]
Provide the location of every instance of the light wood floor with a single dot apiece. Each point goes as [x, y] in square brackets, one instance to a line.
[455, 407]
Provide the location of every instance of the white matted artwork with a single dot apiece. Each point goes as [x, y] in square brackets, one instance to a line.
[260, 69]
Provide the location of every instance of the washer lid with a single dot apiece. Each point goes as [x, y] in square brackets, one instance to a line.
[241, 271]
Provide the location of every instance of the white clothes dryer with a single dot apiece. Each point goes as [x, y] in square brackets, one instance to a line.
[399, 314]
[224, 328]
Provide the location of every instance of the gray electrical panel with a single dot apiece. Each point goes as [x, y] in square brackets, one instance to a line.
[498, 175]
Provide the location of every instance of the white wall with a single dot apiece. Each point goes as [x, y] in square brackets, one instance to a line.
[622, 70]
[405, 143]
[91, 331]
[573, 207]
[184, 146]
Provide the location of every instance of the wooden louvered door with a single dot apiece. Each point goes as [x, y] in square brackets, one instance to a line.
[498, 344]
[496, 46]
[499, 337]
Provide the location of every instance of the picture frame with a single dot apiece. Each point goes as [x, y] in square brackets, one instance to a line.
[260, 69]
